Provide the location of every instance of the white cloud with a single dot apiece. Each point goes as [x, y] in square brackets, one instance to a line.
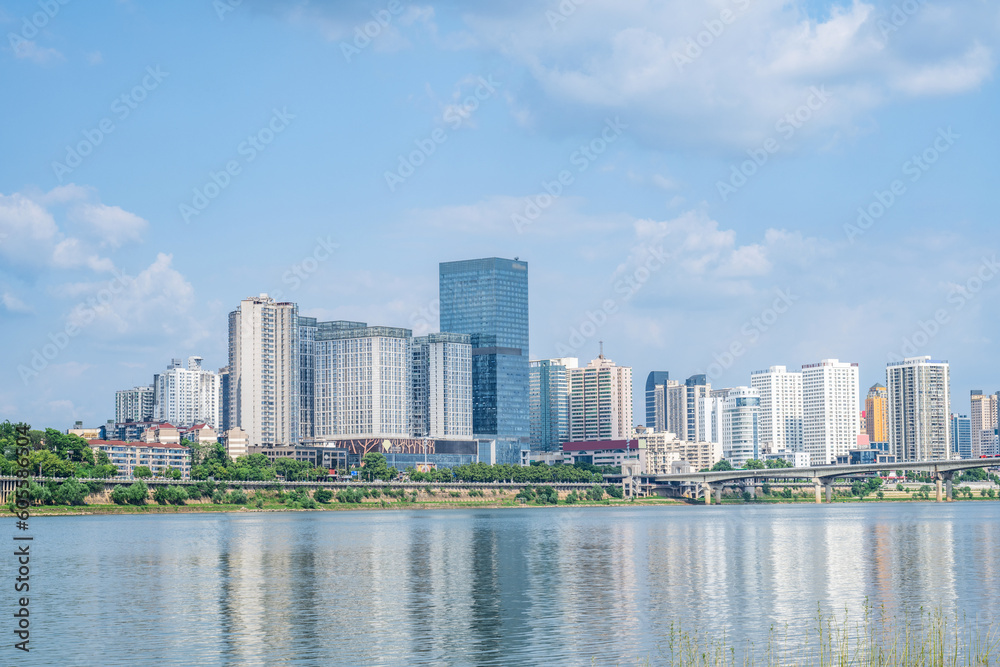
[683, 77]
[32, 237]
[13, 304]
[157, 302]
[25, 49]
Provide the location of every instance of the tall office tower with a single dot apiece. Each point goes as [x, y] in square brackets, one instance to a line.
[877, 414]
[307, 376]
[441, 377]
[654, 379]
[961, 436]
[187, 396]
[919, 408]
[831, 393]
[712, 408]
[600, 401]
[264, 371]
[223, 400]
[548, 402]
[363, 385]
[134, 404]
[488, 300]
[781, 413]
[697, 389]
[983, 416]
[741, 426]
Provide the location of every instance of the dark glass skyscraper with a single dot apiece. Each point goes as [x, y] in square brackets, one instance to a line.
[488, 299]
[654, 378]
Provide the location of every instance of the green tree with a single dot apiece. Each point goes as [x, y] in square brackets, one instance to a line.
[142, 472]
[778, 463]
[754, 464]
[323, 495]
[616, 491]
[722, 465]
[375, 467]
[71, 492]
[595, 493]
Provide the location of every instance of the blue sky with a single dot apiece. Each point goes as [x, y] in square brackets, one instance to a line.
[714, 157]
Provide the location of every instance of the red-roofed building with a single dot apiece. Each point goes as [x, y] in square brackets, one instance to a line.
[201, 434]
[164, 434]
[157, 456]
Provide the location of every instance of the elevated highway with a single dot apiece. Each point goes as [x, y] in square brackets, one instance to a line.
[712, 483]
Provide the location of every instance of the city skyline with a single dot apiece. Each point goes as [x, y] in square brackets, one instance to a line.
[664, 226]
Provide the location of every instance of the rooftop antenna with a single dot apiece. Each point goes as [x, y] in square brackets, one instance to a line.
[601, 356]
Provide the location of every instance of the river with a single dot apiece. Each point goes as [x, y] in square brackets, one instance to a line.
[578, 586]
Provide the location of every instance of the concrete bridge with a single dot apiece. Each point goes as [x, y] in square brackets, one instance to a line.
[712, 483]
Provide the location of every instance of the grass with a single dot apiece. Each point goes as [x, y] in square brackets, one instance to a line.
[877, 639]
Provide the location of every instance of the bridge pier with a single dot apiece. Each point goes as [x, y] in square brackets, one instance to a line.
[718, 493]
[707, 488]
[829, 493]
[948, 486]
[823, 483]
[937, 484]
[819, 492]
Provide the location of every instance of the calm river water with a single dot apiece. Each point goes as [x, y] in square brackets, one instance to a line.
[484, 587]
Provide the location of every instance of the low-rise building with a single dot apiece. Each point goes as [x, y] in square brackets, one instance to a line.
[236, 442]
[605, 452]
[157, 456]
[663, 449]
[795, 459]
[163, 433]
[202, 434]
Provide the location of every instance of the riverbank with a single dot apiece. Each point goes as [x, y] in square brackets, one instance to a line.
[214, 508]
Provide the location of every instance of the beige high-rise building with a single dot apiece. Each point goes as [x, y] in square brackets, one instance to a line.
[600, 401]
[983, 417]
[919, 409]
[264, 371]
[663, 449]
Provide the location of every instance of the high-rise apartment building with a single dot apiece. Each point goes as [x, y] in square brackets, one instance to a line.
[781, 412]
[488, 300]
[134, 405]
[961, 436]
[983, 416]
[877, 414]
[223, 400]
[441, 377]
[919, 409]
[712, 409]
[696, 389]
[187, 396]
[548, 402]
[830, 410]
[653, 380]
[307, 376]
[600, 401]
[264, 379]
[740, 426]
[363, 387]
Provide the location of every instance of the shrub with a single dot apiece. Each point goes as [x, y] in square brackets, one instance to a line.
[119, 495]
[595, 493]
[323, 495]
[616, 491]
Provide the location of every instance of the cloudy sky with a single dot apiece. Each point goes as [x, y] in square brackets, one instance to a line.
[706, 187]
